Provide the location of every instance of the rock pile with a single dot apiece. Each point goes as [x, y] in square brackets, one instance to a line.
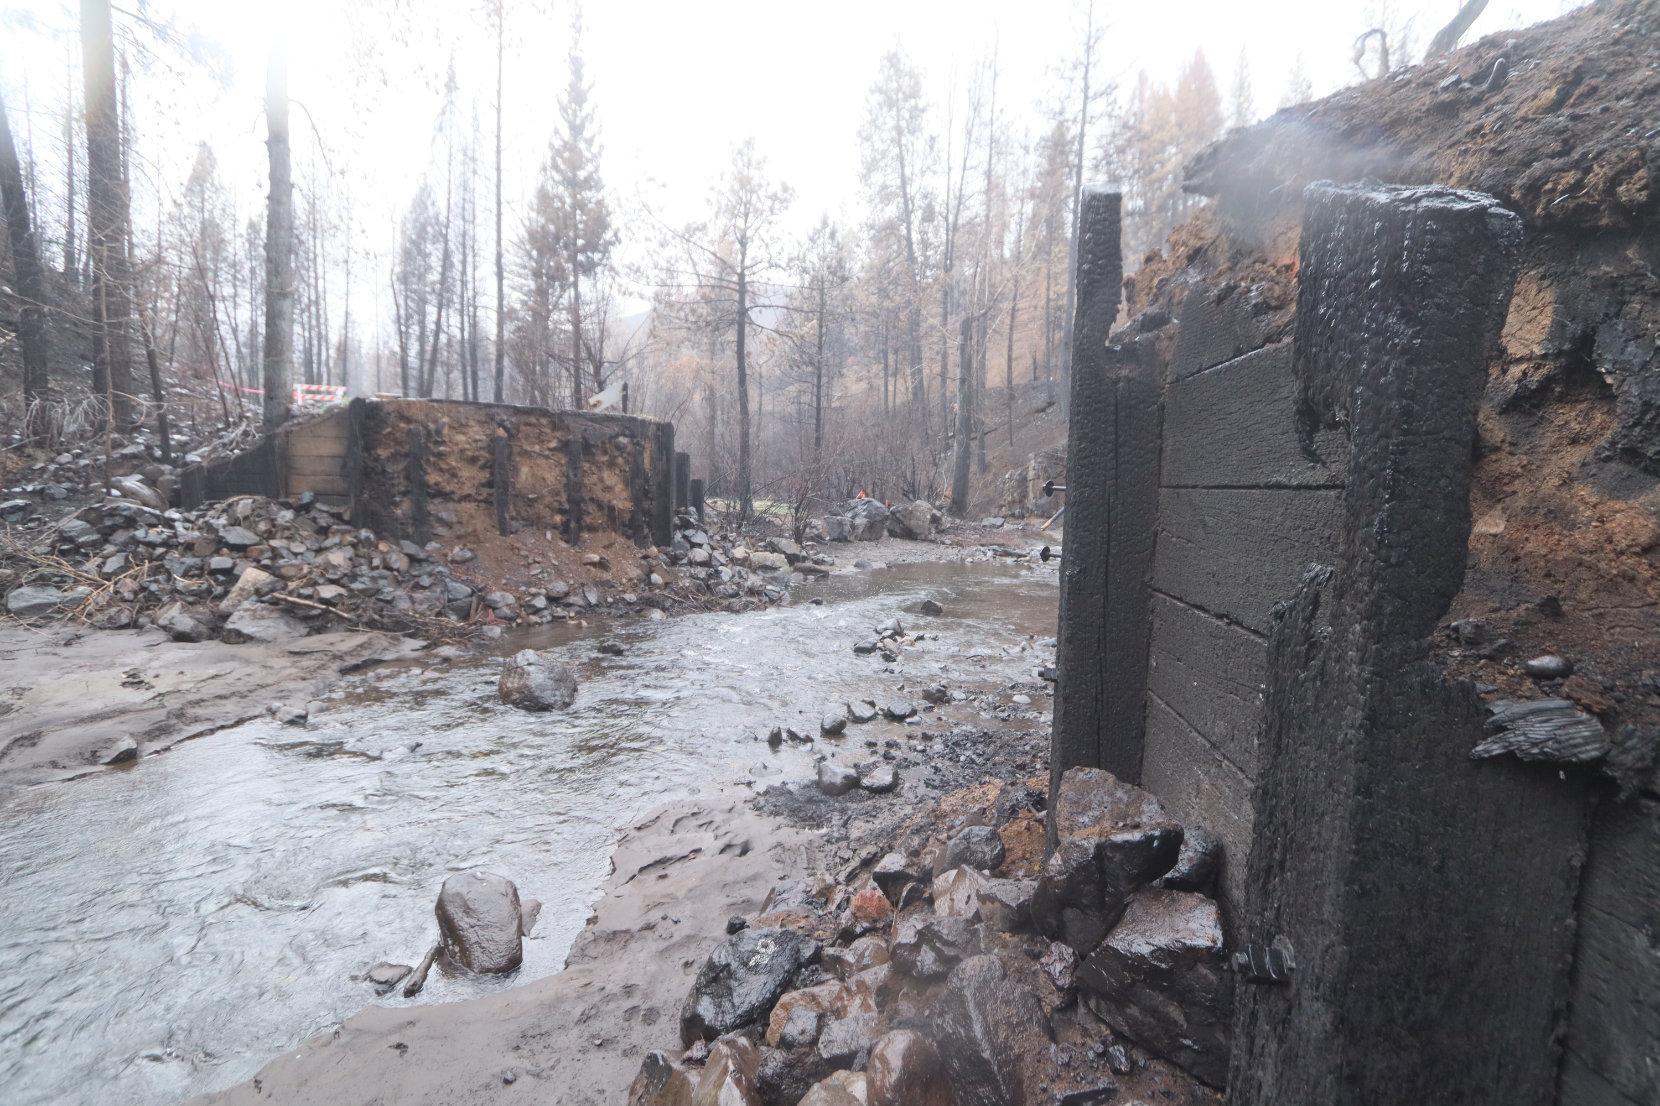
[251, 567]
[871, 520]
[962, 967]
[726, 568]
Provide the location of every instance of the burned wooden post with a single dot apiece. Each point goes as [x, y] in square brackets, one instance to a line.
[697, 497]
[571, 530]
[1081, 643]
[501, 478]
[1414, 899]
[682, 480]
[415, 478]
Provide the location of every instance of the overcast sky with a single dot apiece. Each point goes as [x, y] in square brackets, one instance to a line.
[676, 83]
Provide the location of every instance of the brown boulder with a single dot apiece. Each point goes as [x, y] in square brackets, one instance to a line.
[905, 1070]
[993, 1035]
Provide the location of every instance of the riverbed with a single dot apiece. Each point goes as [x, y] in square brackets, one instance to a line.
[170, 926]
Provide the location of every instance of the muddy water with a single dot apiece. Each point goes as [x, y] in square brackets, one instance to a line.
[166, 929]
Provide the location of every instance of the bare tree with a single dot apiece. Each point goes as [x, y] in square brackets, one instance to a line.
[279, 248]
[1446, 39]
[107, 217]
[31, 284]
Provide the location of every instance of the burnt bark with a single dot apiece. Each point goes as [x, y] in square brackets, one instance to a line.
[108, 215]
[31, 284]
[279, 249]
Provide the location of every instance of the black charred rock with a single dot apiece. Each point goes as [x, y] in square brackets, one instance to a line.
[926, 946]
[736, 987]
[1198, 863]
[977, 847]
[990, 1031]
[1160, 978]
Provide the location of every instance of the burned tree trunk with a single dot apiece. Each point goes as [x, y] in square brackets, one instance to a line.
[31, 284]
[107, 217]
[279, 248]
[965, 418]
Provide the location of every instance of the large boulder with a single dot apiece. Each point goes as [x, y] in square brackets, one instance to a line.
[535, 682]
[925, 946]
[741, 980]
[838, 528]
[261, 622]
[916, 520]
[842, 1088]
[729, 1077]
[992, 1035]
[905, 1070]
[977, 847]
[480, 923]
[868, 520]
[1161, 979]
[1113, 840]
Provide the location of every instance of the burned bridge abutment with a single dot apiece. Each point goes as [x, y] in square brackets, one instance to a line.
[1261, 538]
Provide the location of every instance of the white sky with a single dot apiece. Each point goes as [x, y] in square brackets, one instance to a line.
[677, 84]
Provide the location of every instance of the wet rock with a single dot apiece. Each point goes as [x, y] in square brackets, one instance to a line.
[990, 1032]
[836, 779]
[956, 893]
[768, 562]
[936, 694]
[1006, 904]
[897, 710]
[123, 750]
[786, 1075]
[931, 608]
[905, 1069]
[480, 923]
[387, 975]
[252, 581]
[870, 907]
[1016, 798]
[261, 622]
[237, 537]
[864, 953]
[1550, 730]
[916, 520]
[31, 600]
[662, 1081]
[742, 978]
[1114, 839]
[832, 724]
[893, 873]
[862, 710]
[837, 528]
[878, 778]
[1060, 966]
[977, 847]
[175, 621]
[1160, 979]
[925, 946]
[1197, 864]
[533, 681]
[288, 714]
[1549, 667]
[842, 1088]
[867, 520]
[845, 1041]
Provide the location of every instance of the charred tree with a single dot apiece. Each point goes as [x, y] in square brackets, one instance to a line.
[279, 248]
[107, 217]
[31, 284]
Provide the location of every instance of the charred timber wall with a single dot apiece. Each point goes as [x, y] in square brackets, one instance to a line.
[1262, 537]
[402, 464]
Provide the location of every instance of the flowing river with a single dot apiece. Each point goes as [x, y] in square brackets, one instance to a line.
[168, 928]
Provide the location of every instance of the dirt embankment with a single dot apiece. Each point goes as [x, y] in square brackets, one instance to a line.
[1559, 122]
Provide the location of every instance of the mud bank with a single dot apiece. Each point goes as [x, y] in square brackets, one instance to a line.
[574, 1038]
[76, 700]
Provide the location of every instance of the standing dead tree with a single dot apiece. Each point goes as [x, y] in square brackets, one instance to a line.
[279, 248]
[31, 284]
[108, 213]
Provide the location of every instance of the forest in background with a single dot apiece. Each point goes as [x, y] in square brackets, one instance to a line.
[880, 352]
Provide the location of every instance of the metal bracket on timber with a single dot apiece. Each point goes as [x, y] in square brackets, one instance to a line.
[1426, 892]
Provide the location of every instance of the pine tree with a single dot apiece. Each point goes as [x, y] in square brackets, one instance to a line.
[580, 214]
[1242, 103]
